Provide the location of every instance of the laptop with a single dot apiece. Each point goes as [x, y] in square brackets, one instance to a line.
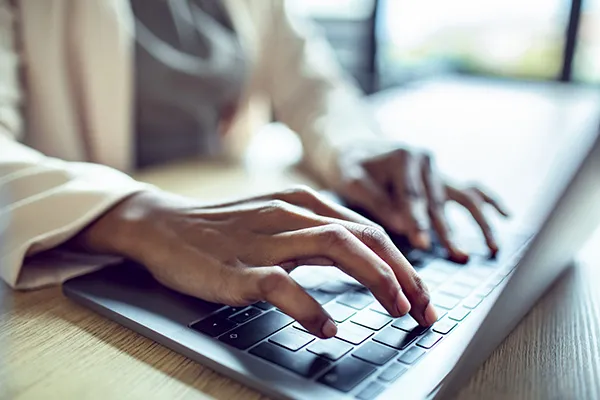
[373, 355]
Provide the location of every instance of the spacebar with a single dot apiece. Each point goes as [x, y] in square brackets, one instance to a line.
[256, 330]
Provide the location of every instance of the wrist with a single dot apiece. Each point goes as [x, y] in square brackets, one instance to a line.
[117, 231]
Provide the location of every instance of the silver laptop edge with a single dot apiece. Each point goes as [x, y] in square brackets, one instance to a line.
[572, 217]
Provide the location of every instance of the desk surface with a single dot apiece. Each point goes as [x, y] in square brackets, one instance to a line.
[54, 348]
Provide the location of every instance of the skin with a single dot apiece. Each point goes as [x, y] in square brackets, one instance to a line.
[403, 189]
[242, 252]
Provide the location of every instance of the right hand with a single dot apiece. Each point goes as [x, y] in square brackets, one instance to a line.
[240, 253]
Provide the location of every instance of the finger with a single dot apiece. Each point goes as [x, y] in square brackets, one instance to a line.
[274, 285]
[290, 265]
[374, 238]
[493, 202]
[442, 229]
[473, 204]
[305, 197]
[409, 196]
[436, 198]
[365, 192]
[349, 254]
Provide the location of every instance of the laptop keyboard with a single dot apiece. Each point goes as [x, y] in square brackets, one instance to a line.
[370, 345]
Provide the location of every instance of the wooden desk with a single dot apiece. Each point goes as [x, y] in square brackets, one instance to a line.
[54, 348]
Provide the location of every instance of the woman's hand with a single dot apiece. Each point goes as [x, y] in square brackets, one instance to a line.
[403, 191]
[240, 253]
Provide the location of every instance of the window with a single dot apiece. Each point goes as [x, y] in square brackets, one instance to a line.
[586, 66]
[503, 38]
[513, 38]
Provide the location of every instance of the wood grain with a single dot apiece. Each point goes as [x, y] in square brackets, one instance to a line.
[52, 348]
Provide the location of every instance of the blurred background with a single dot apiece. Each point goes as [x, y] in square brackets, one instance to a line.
[387, 43]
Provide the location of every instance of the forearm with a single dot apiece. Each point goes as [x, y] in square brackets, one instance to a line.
[49, 201]
[312, 94]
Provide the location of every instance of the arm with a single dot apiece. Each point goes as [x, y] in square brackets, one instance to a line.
[310, 93]
[235, 254]
[398, 186]
[44, 201]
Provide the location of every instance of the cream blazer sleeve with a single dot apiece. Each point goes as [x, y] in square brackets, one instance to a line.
[43, 201]
[310, 93]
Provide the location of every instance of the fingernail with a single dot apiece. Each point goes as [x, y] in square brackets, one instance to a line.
[422, 240]
[430, 314]
[329, 329]
[402, 304]
[493, 248]
[459, 256]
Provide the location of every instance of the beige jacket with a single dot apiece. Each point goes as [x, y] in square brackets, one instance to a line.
[66, 91]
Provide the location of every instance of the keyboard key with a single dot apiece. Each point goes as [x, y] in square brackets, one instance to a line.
[376, 306]
[411, 355]
[457, 290]
[370, 391]
[256, 330]
[406, 323]
[321, 297]
[444, 266]
[371, 320]
[417, 258]
[429, 340]
[213, 326]
[375, 353]
[303, 363]
[298, 326]
[473, 302]
[458, 314]
[472, 281]
[229, 311]
[352, 333]
[433, 276]
[348, 373]
[332, 349]
[356, 300]
[339, 312]
[444, 326]
[245, 315]
[263, 305]
[395, 338]
[497, 280]
[292, 339]
[481, 271]
[487, 289]
[336, 287]
[365, 290]
[445, 301]
[392, 372]
[432, 285]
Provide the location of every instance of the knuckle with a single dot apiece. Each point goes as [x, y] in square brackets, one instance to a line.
[277, 207]
[402, 154]
[302, 192]
[373, 236]
[276, 279]
[354, 182]
[335, 235]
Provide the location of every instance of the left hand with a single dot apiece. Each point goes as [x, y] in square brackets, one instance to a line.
[403, 191]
